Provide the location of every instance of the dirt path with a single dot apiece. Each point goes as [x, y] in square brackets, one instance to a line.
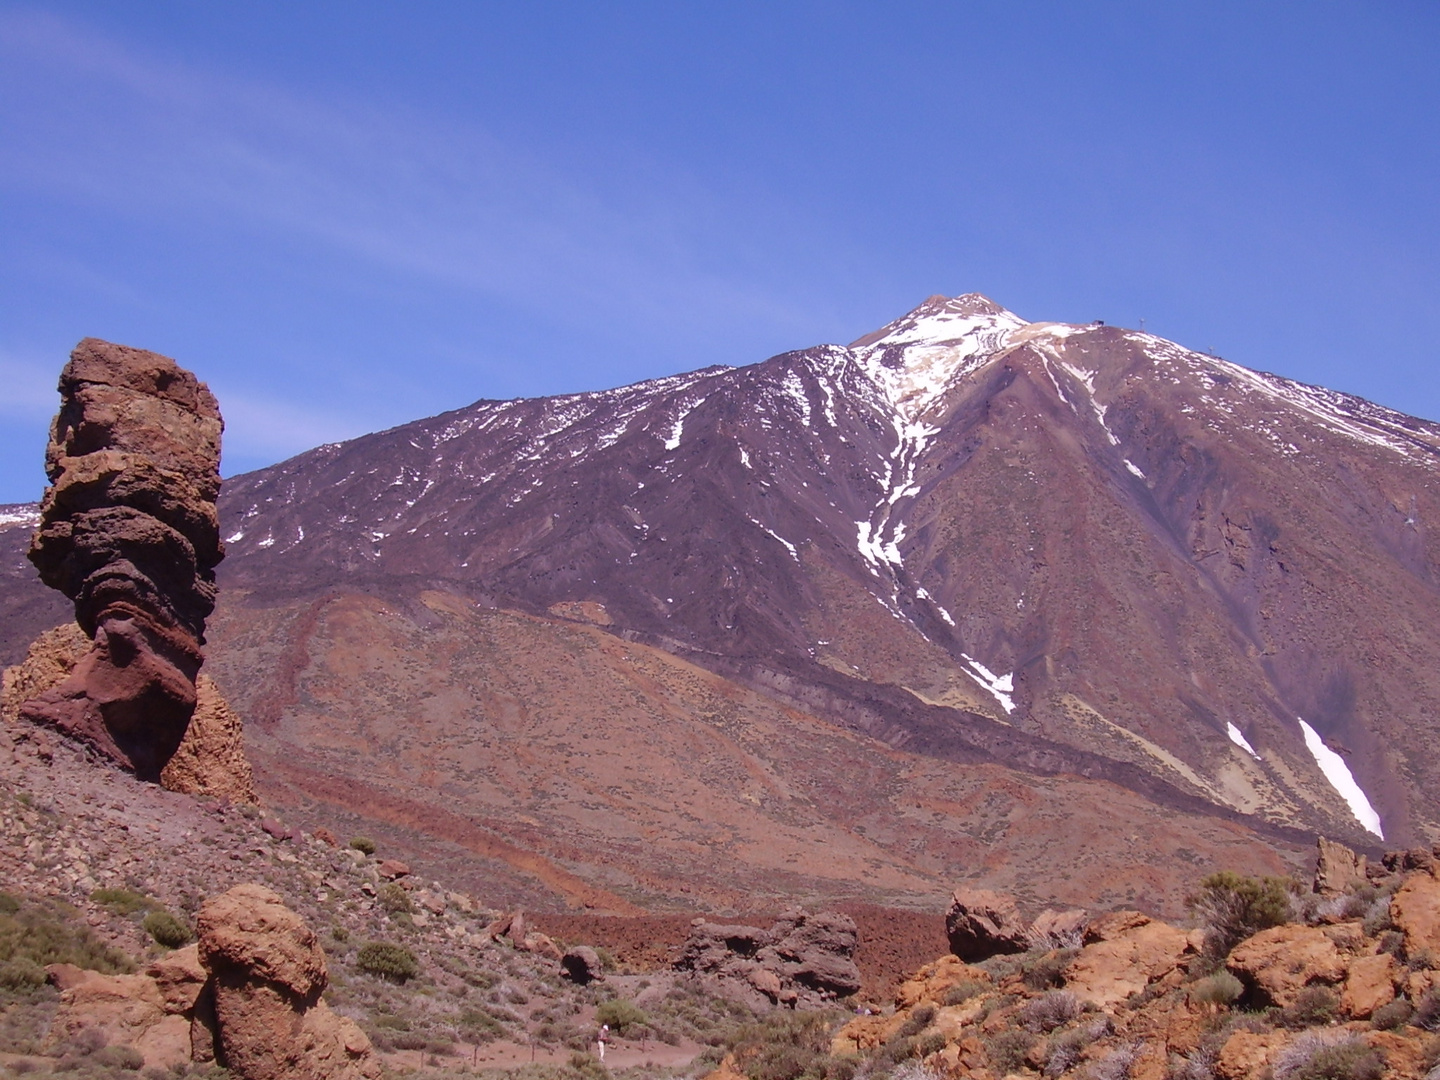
[619, 1054]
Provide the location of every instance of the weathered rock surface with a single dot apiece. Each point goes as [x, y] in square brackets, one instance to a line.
[581, 964]
[130, 533]
[1276, 964]
[267, 974]
[1415, 909]
[1338, 870]
[211, 757]
[981, 924]
[802, 959]
[1126, 954]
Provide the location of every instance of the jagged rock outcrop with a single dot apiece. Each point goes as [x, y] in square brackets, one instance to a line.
[130, 533]
[981, 924]
[801, 960]
[267, 973]
[1338, 869]
[211, 757]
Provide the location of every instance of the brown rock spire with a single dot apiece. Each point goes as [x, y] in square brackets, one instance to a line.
[129, 532]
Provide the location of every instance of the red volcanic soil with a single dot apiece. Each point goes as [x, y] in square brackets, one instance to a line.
[893, 941]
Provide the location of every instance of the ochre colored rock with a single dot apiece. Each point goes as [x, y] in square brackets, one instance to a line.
[49, 660]
[1246, 1055]
[1415, 908]
[179, 976]
[392, 869]
[211, 758]
[121, 1006]
[1058, 929]
[129, 532]
[930, 983]
[1338, 870]
[1131, 955]
[267, 974]
[1369, 983]
[981, 924]
[1280, 962]
[540, 945]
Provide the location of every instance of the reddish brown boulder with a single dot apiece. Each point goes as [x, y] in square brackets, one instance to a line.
[1338, 870]
[392, 869]
[129, 532]
[1131, 952]
[1415, 907]
[267, 974]
[1280, 962]
[1369, 984]
[211, 757]
[981, 924]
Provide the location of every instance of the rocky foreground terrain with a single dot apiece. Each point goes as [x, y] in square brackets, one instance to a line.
[1268, 980]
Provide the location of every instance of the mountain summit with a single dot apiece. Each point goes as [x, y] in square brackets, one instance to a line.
[899, 594]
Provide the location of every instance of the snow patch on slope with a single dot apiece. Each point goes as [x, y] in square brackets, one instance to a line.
[1341, 779]
[1001, 687]
[1238, 738]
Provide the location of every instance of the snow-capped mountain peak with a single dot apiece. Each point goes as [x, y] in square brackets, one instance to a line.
[919, 356]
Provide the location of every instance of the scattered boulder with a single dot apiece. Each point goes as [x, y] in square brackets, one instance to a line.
[1415, 909]
[1338, 870]
[1369, 984]
[1276, 964]
[130, 533]
[809, 959]
[982, 924]
[1127, 952]
[392, 869]
[581, 965]
[267, 974]
[1058, 929]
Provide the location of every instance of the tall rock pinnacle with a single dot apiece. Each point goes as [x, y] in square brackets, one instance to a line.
[129, 532]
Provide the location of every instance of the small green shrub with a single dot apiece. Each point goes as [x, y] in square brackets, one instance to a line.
[51, 932]
[918, 1020]
[1222, 988]
[962, 992]
[1233, 907]
[388, 961]
[1055, 1009]
[119, 1057]
[1049, 970]
[21, 974]
[1392, 1014]
[620, 1014]
[1318, 1055]
[393, 898]
[1007, 1049]
[1427, 1012]
[363, 844]
[124, 901]
[339, 934]
[9, 905]
[1314, 1006]
[167, 930]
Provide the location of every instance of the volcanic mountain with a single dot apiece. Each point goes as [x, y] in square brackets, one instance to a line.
[969, 598]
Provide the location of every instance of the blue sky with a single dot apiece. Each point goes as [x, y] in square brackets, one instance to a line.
[347, 215]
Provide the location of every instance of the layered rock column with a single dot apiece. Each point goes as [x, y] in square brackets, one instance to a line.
[129, 531]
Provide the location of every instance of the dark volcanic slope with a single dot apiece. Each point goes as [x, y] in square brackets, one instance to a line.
[1071, 551]
[1153, 546]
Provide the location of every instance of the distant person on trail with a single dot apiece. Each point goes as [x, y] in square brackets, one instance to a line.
[601, 1039]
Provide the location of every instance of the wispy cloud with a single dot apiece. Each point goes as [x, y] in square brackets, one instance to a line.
[440, 201]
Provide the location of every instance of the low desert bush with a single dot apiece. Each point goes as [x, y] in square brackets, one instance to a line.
[1055, 1009]
[963, 991]
[51, 932]
[167, 930]
[918, 1020]
[124, 901]
[1232, 907]
[1313, 1007]
[1007, 1049]
[388, 961]
[1117, 1064]
[620, 1014]
[1328, 1055]
[1427, 1012]
[1222, 988]
[1049, 970]
[363, 844]
[394, 899]
[1392, 1014]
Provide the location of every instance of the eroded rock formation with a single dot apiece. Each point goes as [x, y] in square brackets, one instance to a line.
[802, 960]
[130, 533]
[211, 757]
[266, 977]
